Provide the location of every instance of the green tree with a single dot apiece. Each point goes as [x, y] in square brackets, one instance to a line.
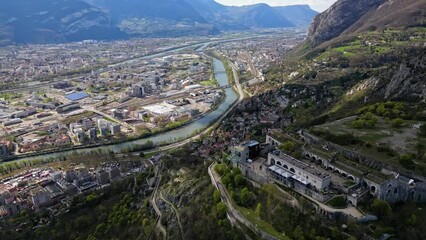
[358, 124]
[239, 180]
[422, 129]
[91, 237]
[381, 208]
[247, 198]
[258, 210]
[420, 148]
[221, 210]
[142, 154]
[100, 229]
[298, 233]
[288, 146]
[406, 161]
[216, 196]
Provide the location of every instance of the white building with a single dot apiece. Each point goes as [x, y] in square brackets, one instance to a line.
[289, 167]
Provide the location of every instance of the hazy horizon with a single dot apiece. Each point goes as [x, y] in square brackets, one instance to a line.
[318, 5]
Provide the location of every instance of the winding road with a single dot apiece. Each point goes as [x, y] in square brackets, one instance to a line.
[234, 215]
[153, 201]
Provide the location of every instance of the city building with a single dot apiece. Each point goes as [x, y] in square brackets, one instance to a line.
[70, 176]
[81, 136]
[102, 177]
[137, 91]
[92, 134]
[115, 129]
[246, 151]
[67, 107]
[40, 197]
[86, 124]
[4, 150]
[113, 172]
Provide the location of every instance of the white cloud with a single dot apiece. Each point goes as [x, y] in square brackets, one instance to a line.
[319, 5]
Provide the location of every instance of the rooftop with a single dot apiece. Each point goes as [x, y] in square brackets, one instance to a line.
[251, 143]
[76, 96]
[160, 109]
[300, 165]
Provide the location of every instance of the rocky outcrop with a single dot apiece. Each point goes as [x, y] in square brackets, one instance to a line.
[408, 82]
[339, 17]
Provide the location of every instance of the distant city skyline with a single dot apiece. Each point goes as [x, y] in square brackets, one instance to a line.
[318, 5]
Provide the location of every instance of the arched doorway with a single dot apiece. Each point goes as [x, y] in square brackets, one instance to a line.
[373, 189]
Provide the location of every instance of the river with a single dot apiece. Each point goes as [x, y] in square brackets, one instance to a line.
[170, 136]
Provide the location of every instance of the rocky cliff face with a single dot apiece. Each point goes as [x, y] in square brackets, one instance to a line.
[407, 81]
[339, 17]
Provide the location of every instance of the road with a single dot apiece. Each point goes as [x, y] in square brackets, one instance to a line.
[233, 215]
[153, 201]
[175, 210]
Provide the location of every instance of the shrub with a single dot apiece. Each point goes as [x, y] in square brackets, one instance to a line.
[406, 161]
[288, 146]
[397, 122]
[422, 131]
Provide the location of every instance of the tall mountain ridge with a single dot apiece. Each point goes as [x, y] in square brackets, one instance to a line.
[51, 21]
[347, 17]
[361, 52]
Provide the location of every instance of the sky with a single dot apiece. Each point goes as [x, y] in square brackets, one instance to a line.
[318, 5]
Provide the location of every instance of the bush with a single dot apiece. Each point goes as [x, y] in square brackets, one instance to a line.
[368, 120]
[247, 198]
[406, 161]
[381, 208]
[337, 202]
[397, 122]
[288, 146]
[422, 131]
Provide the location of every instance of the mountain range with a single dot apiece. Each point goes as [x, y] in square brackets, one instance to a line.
[52, 21]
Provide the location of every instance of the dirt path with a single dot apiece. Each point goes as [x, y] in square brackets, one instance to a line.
[175, 210]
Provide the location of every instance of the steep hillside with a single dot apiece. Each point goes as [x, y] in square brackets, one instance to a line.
[360, 78]
[402, 13]
[374, 53]
[53, 21]
[347, 17]
[338, 18]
